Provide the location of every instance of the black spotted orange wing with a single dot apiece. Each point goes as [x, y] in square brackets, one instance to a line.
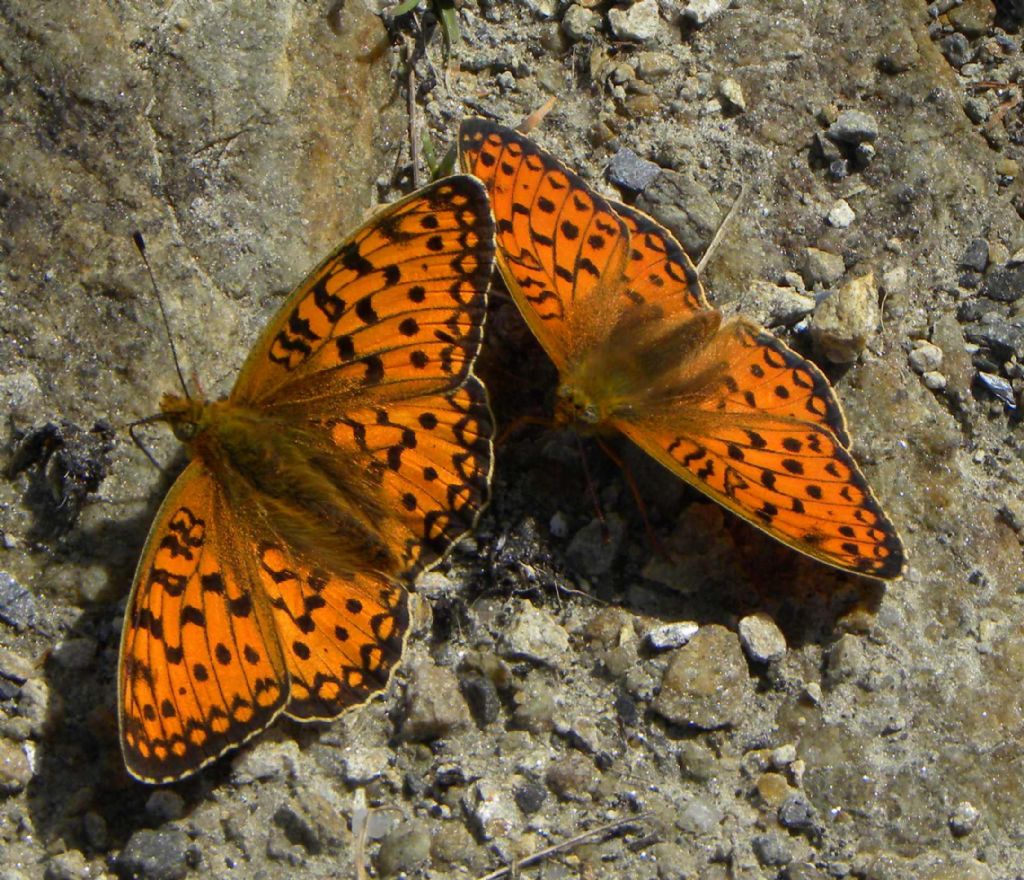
[732, 410]
[353, 451]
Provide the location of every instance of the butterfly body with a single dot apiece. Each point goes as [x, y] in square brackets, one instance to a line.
[352, 452]
[725, 406]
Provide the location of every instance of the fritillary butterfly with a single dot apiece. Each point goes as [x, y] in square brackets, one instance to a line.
[354, 449]
[726, 406]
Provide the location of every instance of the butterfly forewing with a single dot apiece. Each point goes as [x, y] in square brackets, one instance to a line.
[401, 302]
[559, 242]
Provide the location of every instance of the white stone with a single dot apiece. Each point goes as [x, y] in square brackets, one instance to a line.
[639, 22]
[761, 638]
[671, 635]
[535, 635]
[732, 93]
[934, 381]
[841, 215]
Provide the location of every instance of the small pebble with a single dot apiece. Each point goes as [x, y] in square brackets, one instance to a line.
[700, 12]
[534, 635]
[925, 357]
[964, 819]
[15, 767]
[771, 850]
[434, 706]
[1004, 284]
[822, 269]
[558, 525]
[731, 94]
[761, 638]
[670, 635]
[492, 810]
[404, 849]
[841, 215]
[572, 777]
[935, 381]
[579, 23]
[956, 48]
[654, 65]
[706, 683]
[638, 22]
[154, 855]
[595, 547]
[699, 817]
[976, 255]
[853, 127]
[1000, 388]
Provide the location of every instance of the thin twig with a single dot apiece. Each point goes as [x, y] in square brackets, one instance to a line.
[414, 133]
[360, 824]
[540, 855]
[721, 229]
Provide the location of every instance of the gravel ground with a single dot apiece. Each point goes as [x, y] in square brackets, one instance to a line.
[742, 711]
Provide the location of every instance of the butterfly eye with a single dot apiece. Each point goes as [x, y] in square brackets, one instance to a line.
[185, 431]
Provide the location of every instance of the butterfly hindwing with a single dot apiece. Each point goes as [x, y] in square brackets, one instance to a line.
[201, 669]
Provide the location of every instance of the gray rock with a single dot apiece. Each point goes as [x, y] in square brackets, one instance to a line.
[311, 821]
[802, 871]
[976, 255]
[362, 764]
[534, 635]
[405, 849]
[434, 706]
[957, 49]
[594, 548]
[534, 706]
[1004, 339]
[530, 796]
[580, 23]
[572, 777]
[761, 638]
[654, 65]
[265, 760]
[706, 684]
[670, 635]
[154, 855]
[679, 202]
[771, 850]
[822, 269]
[842, 324]
[97, 834]
[1004, 284]
[772, 305]
[629, 171]
[638, 22]
[853, 127]
[17, 605]
[796, 813]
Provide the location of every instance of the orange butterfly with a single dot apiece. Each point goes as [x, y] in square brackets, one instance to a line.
[729, 408]
[354, 449]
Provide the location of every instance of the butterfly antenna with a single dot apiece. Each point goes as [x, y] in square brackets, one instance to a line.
[709, 253]
[159, 417]
[140, 243]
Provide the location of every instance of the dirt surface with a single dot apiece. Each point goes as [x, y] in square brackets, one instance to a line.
[805, 724]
